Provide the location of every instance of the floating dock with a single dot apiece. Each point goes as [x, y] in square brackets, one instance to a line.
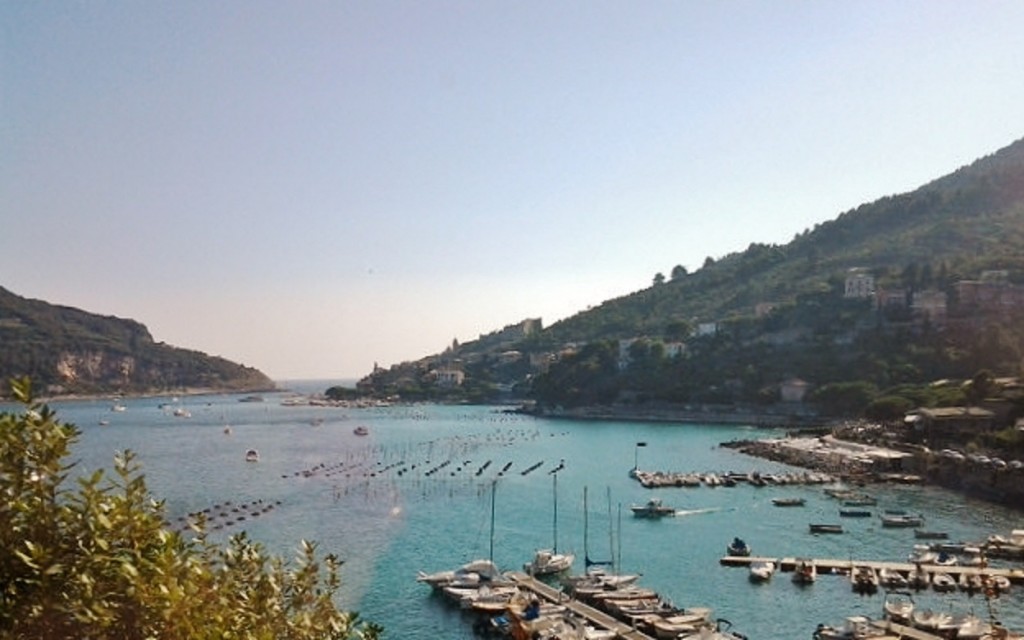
[594, 616]
[842, 567]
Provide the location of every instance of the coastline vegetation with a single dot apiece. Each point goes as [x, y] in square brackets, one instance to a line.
[94, 558]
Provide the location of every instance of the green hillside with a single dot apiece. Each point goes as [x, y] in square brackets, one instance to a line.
[67, 350]
[956, 227]
[733, 331]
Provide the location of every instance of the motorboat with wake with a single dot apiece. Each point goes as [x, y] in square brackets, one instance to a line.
[653, 508]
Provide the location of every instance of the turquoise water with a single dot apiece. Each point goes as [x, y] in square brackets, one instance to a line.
[386, 505]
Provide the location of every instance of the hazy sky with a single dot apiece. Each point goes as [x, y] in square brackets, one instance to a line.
[310, 187]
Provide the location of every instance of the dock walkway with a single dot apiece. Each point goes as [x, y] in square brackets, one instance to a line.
[592, 615]
[829, 565]
[604, 621]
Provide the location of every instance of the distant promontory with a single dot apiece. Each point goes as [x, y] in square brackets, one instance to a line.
[67, 351]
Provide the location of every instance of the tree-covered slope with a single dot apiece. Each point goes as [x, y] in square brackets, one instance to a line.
[954, 227]
[68, 350]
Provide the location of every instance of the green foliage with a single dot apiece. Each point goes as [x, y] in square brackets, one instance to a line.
[888, 408]
[844, 398]
[95, 560]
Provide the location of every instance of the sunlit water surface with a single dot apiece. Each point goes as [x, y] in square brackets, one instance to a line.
[384, 503]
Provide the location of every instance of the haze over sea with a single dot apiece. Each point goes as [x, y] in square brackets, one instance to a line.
[387, 507]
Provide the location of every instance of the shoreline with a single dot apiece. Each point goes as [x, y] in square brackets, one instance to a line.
[190, 392]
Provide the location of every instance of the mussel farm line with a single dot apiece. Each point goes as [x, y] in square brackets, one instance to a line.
[434, 469]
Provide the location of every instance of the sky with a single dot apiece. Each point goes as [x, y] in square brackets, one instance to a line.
[310, 188]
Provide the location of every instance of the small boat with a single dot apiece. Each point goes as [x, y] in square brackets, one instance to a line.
[788, 502]
[937, 622]
[971, 583]
[864, 580]
[854, 628]
[805, 572]
[547, 562]
[826, 528]
[687, 622]
[859, 500]
[918, 577]
[653, 508]
[471, 574]
[998, 584]
[182, 413]
[252, 455]
[898, 606]
[943, 582]
[762, 570]
[945, 559]
[738, 547]
[892, 579]
[361, 430]
[901, 520]
[922, 554]
[854, 513]
[924, 534]
[971, 627]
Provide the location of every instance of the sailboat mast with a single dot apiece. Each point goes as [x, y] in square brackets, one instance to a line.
[611, 532]
[554, 524]
[494, 486]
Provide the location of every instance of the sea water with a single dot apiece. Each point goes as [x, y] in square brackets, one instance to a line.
[418, 493]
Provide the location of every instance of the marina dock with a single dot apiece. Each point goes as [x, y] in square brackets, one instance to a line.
[594, 616]
[841, 567]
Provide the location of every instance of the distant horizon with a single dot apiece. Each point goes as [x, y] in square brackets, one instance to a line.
[313, 188]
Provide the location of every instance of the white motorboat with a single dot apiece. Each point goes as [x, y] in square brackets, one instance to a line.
[999, 584]
[854, 628]
[690, 621]
[902, 520]
[761, 570]
[946, 560]
[548, 561]
[898, 607]
[971, 627]
[653, 508]
[943, 582]
[470, 574]
[599, 578]
[937, 622]
[891, 578]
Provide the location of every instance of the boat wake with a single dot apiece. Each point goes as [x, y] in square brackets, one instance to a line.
[696, 512]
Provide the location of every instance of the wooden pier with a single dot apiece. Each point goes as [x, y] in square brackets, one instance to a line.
[843, 567]
[594, 616]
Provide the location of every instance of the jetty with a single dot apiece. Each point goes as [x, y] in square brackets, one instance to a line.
[843, 567]
[594, 616]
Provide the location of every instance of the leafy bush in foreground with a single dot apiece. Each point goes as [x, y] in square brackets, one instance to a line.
[96, 561]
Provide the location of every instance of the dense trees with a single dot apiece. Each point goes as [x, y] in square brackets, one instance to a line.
[92, 559]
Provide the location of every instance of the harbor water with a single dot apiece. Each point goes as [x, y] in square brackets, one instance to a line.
[415, 494]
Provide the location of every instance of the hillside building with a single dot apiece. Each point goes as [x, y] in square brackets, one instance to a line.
[859, 283]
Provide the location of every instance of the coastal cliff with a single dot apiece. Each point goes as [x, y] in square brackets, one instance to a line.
[70, 351]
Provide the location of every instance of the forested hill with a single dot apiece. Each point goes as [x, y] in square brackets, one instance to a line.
[67, 350]
[950, 229]
[732, 331]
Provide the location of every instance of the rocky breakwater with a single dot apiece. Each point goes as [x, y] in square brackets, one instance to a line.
[990, 479]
